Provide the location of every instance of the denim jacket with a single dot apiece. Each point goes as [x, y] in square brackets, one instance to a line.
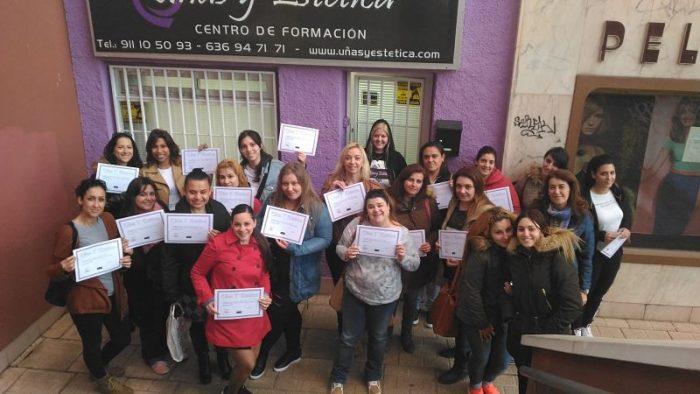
[305, 259]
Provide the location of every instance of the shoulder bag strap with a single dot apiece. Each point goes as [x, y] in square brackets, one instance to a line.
[263, 181]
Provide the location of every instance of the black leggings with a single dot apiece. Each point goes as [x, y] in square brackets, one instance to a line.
[149, 311]
[336, 266]
[522, 355]
[604, 273]
[89, 326]
[284, 318]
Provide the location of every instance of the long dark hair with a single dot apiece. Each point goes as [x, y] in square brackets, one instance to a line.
[379, 193]
[472, 174]
[135, 187]
[559, 156]
[172, 146]
[397, 190]
[575, 201]
[264, 156]
[108, 152]
[593, 165]
[389, 150]
[87, 184]
[678, 132]
[263, 245]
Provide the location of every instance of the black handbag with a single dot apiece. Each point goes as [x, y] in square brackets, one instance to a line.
[58, 289]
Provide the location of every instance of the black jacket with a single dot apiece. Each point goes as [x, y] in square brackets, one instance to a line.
[624, 204]
[546, 296]
[176, 271]
[481, 285]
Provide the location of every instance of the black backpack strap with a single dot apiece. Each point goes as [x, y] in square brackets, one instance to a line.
[74, 240]
[263, 181]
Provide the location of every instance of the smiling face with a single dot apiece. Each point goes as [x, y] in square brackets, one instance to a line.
[604, 176]
[92, 203]
[161, 152]
[197, 193]
[226, 177]
[250, 150]
[528, 232]
[291, 187]
[413, 184]
[464, 189]
[146, 199]
[687, 115]
[123, 151]
[378, 211]
[243, 225]
[485, 164]
[558, 191]
[352, 162]
[380, 137]
[432, 159]
[501, 232]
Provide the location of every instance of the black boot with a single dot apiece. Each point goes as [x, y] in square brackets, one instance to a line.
[407, 339]
[453, 375]
[204, 371]
[223, 363]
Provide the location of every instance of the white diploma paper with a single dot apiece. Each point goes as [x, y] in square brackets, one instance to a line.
[342, 203]
[232, 196]
[442, 193]
[377, 241]
[232, 304]
[146, 228]
[691, 153]
[610, 249]
[284, 224]
[116, 177]
[97, 259]
[452, 243]
[418, 238]
[297, 139]
[188, 228]
[206, 159]
[500, 197]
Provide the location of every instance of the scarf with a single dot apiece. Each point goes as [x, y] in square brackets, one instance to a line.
[559, 218]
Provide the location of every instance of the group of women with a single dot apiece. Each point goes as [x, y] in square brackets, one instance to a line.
[529, 274]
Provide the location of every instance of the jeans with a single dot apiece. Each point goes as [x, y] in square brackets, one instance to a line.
[604, 273]
[89, 327]
[462, 348]
[488, 359]
[284, 318]
[675, 202]
[358, 316]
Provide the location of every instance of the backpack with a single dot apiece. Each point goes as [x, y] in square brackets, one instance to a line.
[57, 291]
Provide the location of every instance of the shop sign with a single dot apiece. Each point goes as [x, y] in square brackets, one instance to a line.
[367, 33]
[614, 37]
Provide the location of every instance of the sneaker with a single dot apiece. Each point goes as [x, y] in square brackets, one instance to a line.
[374, 387]
[415, 322]
[257, 372]
[586, 331]
[452, 376]
[285, 361]
[489, 388]
[428, 320]
[160, 368]
[578, 332]
[109, 385]
[475, 390]
[448, 352]
[337, 388]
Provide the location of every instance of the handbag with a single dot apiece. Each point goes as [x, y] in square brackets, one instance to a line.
[177, 328]
[57, 291]
[445, 306]
[336, 298]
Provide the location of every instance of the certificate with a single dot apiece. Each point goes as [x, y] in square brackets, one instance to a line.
[452, 243]
[342, 203]
[418, 238]
[116, 177]
[297, 139]
[232, 196]
[206, 159]
[284, 224]
[610, 249]
[442, 193]
[146, 228]
[188, 228]
[691, 153]
[377, 241]
[97, 259]
[500, 197]
[232, 304]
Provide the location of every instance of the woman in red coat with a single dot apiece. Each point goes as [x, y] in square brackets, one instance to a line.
[235, 259]
[493, 177]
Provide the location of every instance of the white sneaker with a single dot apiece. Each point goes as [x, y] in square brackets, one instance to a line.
[586, 331]
[415, 322]
[374, 387]
[337, 388]
[578, 332]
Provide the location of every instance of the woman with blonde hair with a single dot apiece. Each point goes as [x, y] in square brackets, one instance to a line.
[230, 174]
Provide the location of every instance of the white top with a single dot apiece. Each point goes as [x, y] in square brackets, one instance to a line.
[250, 176]
[608, 212]
[174, 196]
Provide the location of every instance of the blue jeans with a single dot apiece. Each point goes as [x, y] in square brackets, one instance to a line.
[488, 359]
[356, 317]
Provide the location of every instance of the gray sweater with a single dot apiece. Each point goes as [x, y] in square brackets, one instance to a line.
[375, 280]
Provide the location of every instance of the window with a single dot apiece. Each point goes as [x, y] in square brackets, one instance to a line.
[196, 106]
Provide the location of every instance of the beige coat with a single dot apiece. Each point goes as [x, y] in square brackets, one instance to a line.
[162, 190]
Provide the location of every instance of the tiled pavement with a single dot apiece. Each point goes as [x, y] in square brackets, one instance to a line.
[54, 364]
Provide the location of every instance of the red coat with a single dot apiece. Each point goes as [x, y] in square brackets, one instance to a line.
[229, 265]
[497, 180]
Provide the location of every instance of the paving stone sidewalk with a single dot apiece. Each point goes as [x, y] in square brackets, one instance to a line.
[53, 364]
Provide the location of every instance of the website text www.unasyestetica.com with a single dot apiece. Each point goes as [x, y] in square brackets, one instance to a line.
[375, 53]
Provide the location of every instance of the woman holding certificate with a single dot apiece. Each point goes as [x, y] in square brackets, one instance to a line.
[612, 219]
[297, 267]
[493, 177]
[230, 174]
[176, 272]
[543, 288]
[259, 167]
[385, 162]
[418, 212]
[144, 281]
[100, 300]
[120, 150]
[372, 285]
[163, 167]
[238, 259]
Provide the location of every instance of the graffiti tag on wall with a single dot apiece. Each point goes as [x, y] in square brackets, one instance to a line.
[534, 126]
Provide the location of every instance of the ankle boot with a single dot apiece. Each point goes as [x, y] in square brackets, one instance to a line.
[407, 339]
[204, 372]
[224, 365]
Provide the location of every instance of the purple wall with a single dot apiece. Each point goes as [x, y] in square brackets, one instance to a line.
[477, 93]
